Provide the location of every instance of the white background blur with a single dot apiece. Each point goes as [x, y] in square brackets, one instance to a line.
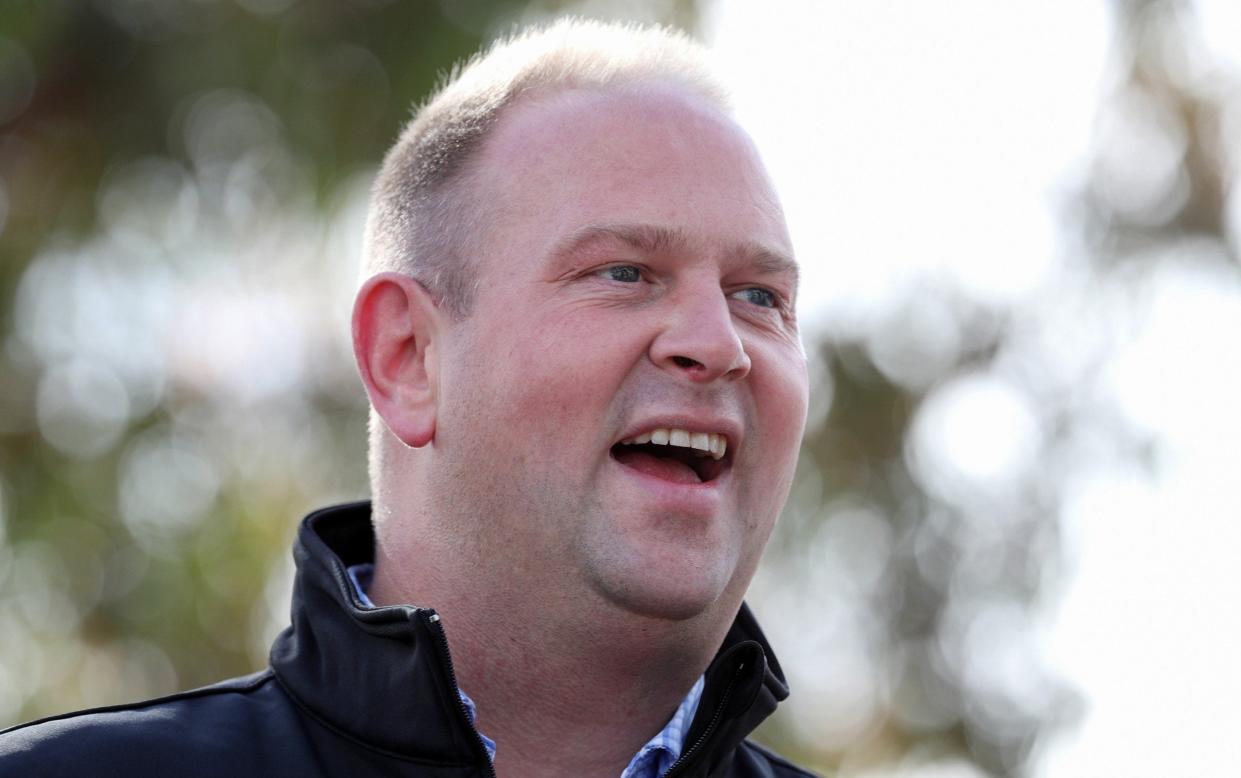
[925, 144]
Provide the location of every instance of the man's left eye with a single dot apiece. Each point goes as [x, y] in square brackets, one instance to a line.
[756, 295]
[627, 274]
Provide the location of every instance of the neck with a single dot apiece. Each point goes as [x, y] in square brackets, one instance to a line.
[560, 696]
[562, 710]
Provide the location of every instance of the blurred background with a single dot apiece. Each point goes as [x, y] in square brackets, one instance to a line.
[1014, 544]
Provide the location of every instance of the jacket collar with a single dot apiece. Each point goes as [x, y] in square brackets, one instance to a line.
[382, 676]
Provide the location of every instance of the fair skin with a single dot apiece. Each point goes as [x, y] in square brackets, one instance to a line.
[636, 274]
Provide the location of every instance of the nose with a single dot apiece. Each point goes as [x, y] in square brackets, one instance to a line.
[699, 340]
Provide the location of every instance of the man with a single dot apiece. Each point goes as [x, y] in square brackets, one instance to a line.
[577, 333]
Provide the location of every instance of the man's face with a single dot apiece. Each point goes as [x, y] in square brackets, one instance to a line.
[635, 277]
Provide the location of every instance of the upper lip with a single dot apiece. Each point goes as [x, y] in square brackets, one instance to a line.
[719, 425]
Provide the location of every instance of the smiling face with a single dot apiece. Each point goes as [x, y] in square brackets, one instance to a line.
[621, 410]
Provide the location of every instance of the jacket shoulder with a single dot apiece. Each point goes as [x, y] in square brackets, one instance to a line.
[190, 733]
[754, 760]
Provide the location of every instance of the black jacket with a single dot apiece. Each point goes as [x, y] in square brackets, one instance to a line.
[359, 692]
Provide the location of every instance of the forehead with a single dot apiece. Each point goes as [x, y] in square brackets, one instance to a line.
[560, 162]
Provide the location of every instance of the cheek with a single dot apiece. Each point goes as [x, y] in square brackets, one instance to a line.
[535, 376]
[781, 395]
[577, 355]
[782, 388]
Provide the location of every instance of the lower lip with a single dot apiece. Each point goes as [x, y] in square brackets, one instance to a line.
[695, 500]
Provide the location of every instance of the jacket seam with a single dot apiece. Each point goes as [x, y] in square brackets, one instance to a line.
[260, 679]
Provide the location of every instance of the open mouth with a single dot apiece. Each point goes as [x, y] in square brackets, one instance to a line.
[676, 455]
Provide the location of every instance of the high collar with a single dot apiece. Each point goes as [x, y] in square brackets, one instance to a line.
[382, 676]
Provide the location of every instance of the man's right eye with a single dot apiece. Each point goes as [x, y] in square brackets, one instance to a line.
[627, 274]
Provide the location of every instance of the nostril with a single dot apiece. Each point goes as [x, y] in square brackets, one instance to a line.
[686, 362]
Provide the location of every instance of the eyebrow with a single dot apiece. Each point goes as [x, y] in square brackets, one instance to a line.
[654, 238]
[649, 238]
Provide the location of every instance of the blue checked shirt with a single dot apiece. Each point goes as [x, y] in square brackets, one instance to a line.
[652, 760]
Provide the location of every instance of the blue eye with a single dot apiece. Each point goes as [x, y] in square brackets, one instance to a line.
[764, 298]
[627, 274]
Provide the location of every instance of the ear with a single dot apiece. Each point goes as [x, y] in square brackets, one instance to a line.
[395, 328]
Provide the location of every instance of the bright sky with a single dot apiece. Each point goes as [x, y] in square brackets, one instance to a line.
[925, 143]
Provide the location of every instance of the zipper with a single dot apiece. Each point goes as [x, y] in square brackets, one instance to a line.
[436, 626]
[689, 753]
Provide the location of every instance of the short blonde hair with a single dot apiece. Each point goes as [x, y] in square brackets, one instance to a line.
[418, 220]
[422, 215]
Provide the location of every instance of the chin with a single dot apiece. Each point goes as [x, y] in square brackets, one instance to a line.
[651, 603]
[677, 592]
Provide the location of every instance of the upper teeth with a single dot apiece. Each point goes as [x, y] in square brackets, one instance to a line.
[706, 442]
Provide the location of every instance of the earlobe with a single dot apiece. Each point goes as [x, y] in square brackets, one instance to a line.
[395, 324]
